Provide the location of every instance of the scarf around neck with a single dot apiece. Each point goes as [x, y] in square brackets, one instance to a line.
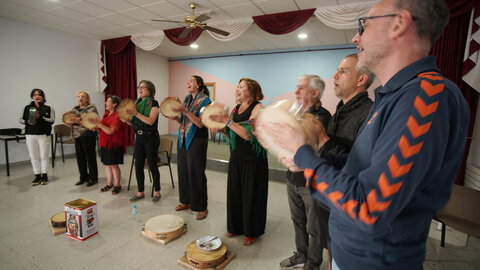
[143, 107]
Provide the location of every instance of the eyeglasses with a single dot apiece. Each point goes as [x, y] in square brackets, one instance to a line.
[361, 21]
[141, 87]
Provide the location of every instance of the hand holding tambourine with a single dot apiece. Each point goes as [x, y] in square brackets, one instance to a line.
[214, 116]
[126, 109]
[171, 107]
[90, 120]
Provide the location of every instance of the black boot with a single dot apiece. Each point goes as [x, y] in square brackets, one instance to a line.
[37, 180]
[44, 179]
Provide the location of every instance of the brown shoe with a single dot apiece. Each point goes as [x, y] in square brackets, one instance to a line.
[202, 215]
[182, 206]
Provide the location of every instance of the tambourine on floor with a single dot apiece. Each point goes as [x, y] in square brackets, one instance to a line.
[195, 258]
[164, 228]
[57, 223]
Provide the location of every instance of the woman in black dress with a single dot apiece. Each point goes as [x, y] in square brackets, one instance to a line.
[247, 186]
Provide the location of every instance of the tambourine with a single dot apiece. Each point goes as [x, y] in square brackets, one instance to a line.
[58, 220]
[126, 104]
[213, 108]
[169, 107]
[279, 112]
[69, 118]
[90, 119]
[204, 259]
[164, 228]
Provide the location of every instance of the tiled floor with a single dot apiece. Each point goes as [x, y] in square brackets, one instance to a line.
[26, 241]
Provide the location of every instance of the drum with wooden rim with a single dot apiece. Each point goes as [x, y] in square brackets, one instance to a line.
[90, 119]
[69, 118]
[203, 258]
[282, 112]
[164, 228]
[213, 108]
[58, 220]
[170, 107]
[126, 104]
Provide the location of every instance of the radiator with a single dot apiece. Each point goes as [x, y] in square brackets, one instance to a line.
[472, 176]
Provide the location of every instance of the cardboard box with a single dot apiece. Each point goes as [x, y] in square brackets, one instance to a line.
[81, 219]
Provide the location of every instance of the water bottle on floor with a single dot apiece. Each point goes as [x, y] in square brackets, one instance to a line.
[134, 212]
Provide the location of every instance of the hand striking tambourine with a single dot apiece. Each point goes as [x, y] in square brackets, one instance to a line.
[164, 228]
[171, 107]
[213, 108]
[123, 108]
[69, 118]
[90, 120]
[279, 112]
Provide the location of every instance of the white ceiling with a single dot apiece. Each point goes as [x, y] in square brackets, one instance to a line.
[105, 19]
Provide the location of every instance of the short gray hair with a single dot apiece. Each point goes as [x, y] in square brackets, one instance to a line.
[429, 16]
[315, 82]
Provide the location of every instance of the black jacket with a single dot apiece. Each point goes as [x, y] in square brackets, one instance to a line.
[43, 125]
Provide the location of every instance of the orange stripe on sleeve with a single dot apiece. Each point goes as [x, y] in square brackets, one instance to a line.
[397, 170]
[365, 216]
[424, 109]
[415, 129]
[386, 188]
[308, 173]
[373, 117]
[322, 186]
[374, 205]
[407, 149]
[334, 196]
[431, 76]
[430, 89]
[349, 206]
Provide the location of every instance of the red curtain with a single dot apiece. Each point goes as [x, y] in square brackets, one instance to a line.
[449, 50]
[121, 66]
[283, 23]
[173, 34]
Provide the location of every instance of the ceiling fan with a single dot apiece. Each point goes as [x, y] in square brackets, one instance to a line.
[193, 21]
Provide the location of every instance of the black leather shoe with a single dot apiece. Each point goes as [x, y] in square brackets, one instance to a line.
[37, 180]
[81, 182]
[91, 183]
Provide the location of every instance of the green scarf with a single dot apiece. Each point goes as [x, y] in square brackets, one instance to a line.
[143, 107]
[248, 125]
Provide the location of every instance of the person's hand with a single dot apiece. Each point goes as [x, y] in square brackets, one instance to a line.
[37, 115]
[131, 111]
[215, 130]
[178, 108]
[285, 136]
[289, 163]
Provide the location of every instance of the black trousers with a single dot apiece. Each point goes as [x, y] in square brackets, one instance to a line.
[146, 147]
[247, 191]
[86, 158]
[192, 181]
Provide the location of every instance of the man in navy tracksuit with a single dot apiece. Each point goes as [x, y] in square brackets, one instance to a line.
[403, 163]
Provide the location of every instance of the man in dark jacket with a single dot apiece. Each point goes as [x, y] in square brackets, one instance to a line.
[350, 85]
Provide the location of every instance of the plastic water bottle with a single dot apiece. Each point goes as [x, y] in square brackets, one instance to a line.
[134, 212]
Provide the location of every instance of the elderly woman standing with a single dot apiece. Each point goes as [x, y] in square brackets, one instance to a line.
[247, 186]
[85, 140]
[192, 150]
[38, 119]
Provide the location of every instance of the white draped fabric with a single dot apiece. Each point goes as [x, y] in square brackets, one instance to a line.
[343, 16]
[472, 77]
[235, 27]
[148, 41]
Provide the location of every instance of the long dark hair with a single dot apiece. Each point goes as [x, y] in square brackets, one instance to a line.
[40, 92]
[201, 85]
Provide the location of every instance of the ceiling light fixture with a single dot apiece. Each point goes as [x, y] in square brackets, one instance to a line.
[302, 36]
[194, 45]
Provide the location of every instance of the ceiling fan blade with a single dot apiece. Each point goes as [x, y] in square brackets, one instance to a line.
[216, 30]
[185, 32]
[157, 20]
[202, 18]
